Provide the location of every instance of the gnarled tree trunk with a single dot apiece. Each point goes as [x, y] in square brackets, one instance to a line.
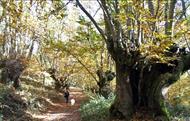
[124, 96]
[140, 87]
[104, 82]
[60, 82]
[11, 71]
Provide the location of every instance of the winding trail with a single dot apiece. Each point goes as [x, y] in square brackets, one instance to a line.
[60, 111]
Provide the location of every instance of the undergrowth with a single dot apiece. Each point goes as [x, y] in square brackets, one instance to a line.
[178, 104]
[97, 108]
[32, 98]
[179, 99]
[12, 105]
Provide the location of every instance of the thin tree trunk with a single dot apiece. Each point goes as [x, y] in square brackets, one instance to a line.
[31, 50]
[169, 15]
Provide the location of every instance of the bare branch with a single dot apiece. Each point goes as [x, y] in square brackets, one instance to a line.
[184, 9]
[96, 12]
[107, 17]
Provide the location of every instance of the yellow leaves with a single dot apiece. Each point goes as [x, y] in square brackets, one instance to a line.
[148, 19]
[20, 8]
[179, 92]
[182, 30]
[1, 39]
[12, 13]
[160, 36]
[155, 51]
[15, 9]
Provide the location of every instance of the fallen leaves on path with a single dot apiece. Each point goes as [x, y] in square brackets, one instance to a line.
[61, 111]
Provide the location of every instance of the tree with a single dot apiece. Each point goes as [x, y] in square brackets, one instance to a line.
[15, 52]
[136, 41]
[20, 33]
[90, 56]
[93, 45]
[87, 48]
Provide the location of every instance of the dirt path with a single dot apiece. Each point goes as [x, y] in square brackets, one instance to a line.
[60, 111]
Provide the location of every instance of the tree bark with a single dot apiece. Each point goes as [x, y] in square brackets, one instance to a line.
[104, 82]
[152, 81]
[169, 16]
[11, 71]
[123, 107]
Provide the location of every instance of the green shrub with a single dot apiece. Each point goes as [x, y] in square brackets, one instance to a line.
[97, 109]
[179, 113]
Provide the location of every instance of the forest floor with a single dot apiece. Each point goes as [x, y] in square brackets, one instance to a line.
[36, 102]
[59, 110]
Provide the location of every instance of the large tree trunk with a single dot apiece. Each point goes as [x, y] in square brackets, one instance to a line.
[150, 85]
[123, 107]
[138, 88]
[135, 92]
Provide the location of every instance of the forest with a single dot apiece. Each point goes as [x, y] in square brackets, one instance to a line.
[94, 60]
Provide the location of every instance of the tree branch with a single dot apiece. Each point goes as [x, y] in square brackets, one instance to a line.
[184, 9]
[108, 18]
[81, 64]
[96, 12]
[92, 19]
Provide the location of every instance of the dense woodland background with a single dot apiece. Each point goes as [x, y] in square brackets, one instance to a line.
[129, 59]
